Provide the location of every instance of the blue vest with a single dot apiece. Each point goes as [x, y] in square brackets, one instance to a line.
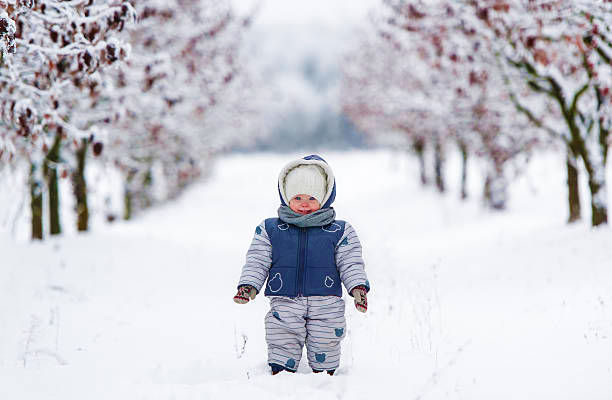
[303, 259]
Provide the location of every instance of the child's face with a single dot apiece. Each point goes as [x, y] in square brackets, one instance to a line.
[304, 204]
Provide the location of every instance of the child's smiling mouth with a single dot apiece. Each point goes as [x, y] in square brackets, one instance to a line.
[304, 204]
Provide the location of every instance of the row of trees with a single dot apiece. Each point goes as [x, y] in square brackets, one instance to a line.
[138, 86]
[496, 77]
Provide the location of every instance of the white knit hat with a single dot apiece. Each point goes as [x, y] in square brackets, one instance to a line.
[306, 179]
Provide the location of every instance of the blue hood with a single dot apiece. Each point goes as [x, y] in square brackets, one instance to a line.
[311, 159]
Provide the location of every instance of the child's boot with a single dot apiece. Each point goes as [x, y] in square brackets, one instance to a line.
[276, 368]
[329, 372]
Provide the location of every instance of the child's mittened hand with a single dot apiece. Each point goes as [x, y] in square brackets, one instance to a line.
[245, 293]
[361, 299]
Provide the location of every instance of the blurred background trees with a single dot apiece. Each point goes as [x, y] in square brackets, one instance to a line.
[184, 67]
[499, 77]
[140, 88]
[53, 55]
[147, 94]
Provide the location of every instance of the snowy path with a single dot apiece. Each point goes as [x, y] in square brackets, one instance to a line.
[465, 304]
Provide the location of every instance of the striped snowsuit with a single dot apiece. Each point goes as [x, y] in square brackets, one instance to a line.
[317, 321]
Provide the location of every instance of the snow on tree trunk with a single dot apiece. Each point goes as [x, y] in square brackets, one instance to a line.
[495, 190]
[594, 157]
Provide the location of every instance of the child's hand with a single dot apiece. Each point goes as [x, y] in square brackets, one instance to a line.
[245, 293]
[361, 299]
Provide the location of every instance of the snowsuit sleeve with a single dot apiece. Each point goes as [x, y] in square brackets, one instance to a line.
[349, 260]
[258, 259]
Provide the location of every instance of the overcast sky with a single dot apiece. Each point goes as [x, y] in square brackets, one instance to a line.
[285, 33]
[329, 12]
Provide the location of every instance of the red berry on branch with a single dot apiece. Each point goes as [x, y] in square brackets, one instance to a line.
[111, 52]
[483, 13]
[501, 6]
[87, 58]
[97, 148]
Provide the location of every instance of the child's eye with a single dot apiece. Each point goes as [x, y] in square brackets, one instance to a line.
[312, 198]
[298, 198]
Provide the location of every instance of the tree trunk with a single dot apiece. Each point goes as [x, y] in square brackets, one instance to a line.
[599, 209]
[51, 162]
[439, 165]
[36, 204]
[496, 191]
[146, 189]
[597, 185]
[464, 158]
[128, 196]
[594, 156]
[79, 185]
[419, 147]
[593, 149]
[127, 200]
[572, 186]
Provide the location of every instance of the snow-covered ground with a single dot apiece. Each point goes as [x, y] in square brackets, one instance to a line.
[465, 303]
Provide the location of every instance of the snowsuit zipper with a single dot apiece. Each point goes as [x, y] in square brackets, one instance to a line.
[301, 261]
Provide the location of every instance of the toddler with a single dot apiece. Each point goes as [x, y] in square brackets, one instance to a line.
[304, 254]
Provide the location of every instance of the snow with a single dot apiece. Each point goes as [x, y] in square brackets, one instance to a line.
[465, 303]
